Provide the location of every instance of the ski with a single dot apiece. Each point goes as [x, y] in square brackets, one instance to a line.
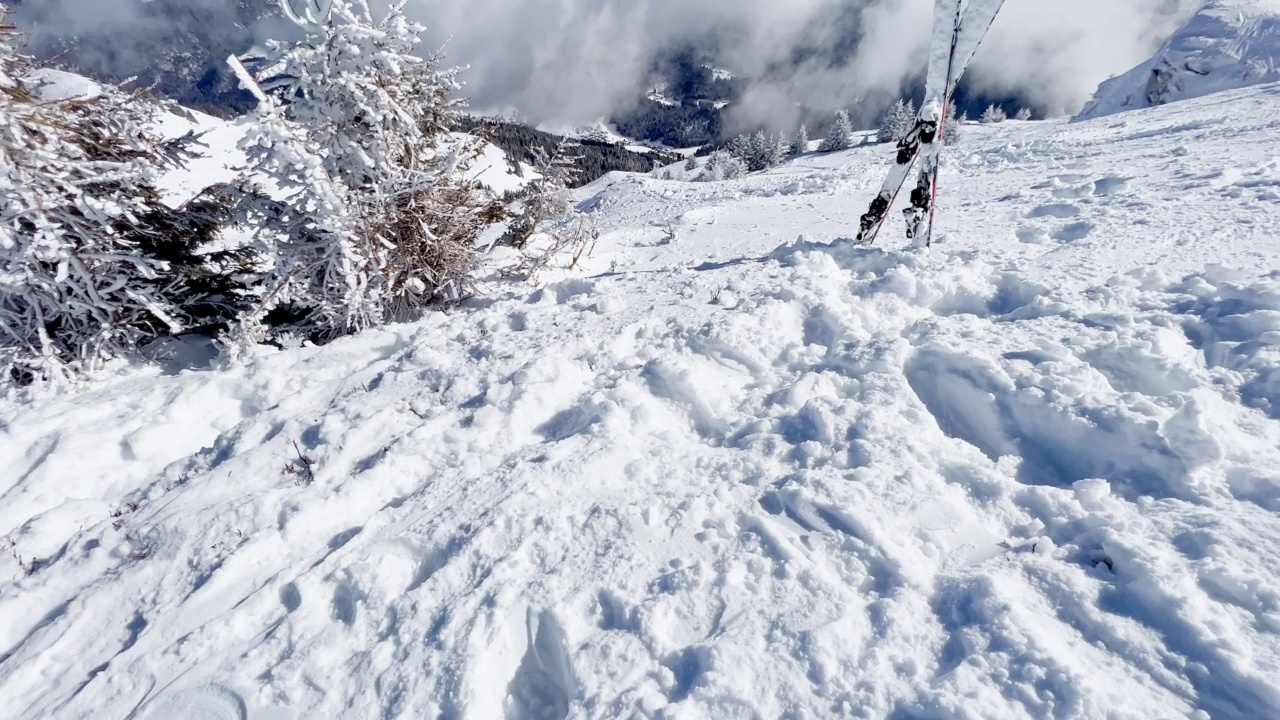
[926, 187]
[970, 24]
[978, 18]
[873, 220]
[925, 130]
[979, 15]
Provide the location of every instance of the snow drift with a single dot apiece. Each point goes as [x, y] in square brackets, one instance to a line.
[1228, 44]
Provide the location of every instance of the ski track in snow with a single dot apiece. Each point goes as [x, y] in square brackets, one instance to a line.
[1032, 473]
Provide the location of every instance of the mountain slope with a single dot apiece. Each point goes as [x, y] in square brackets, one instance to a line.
[721, 472]
[1228, 44]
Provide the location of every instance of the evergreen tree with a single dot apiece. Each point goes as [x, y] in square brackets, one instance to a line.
[760, 151]
[840, 136]
[378, 221]
[779, 149]
[993, 114]
[723, 165]
[691, 164]
[800, 145]
[897, 122]
[92, 263]
[1024, 114]
[952, 130]
[740, 147]
[761, 157]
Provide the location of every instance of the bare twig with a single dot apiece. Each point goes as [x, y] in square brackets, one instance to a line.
[303, 470]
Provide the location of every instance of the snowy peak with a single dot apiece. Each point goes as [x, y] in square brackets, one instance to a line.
[1228, 44]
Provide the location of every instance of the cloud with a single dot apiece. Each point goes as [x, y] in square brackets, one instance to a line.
[1054, 55]
[580, 59]
[574, 61]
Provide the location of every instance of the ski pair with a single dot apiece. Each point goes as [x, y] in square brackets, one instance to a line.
[958, 30]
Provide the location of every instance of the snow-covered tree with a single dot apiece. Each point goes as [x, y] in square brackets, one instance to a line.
[1024, 114]
[596, 134]
[92, 263]
[748, 149]
[993, 114]
[741, 148]
[723, 165]
[759, 151]
[840, 136]
[546, 198]
[544, 227]
[952, 130]
[691, 164]
[779, 148]
[379, 221]
[800, 144]
[897, 122]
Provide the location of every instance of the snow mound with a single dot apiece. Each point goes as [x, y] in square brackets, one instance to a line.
[1228, 44]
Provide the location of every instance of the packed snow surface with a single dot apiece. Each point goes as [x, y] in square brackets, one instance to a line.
[735, 467]
[1228, 44]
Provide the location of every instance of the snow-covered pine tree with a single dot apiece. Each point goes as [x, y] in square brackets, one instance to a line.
[723, 165]
[887, 132]
[92, 263]
[906, 119]
[743, 148]
[762, 155]
[800, 144]
[379, 220]
[993, 114]
[952, 130]
[1024, 114]
[840, 136]
[897, 122]
[752, 149]
[691, 164]
[779, 149]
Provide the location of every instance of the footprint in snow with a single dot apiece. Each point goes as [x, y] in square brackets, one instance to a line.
[1054, 210]
[1033, 235]
[543, 684]
[975, 402]
[1109, 186]
[1073, 232]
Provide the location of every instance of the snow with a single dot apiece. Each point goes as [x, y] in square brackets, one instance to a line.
[719, 73]
[219, 164]
[734, 467]
[493, 170]
[56, 85]
[658, 94]
[1228, 44]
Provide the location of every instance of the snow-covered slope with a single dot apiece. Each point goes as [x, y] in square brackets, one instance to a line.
[1228, 44]
[738, 468]
[493, 169]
